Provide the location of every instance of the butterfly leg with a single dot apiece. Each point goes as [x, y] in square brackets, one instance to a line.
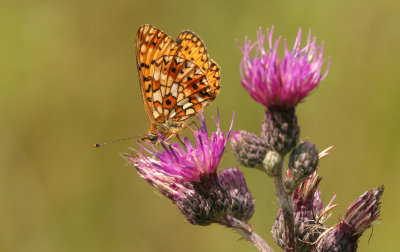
[166, 140]
[188, 126]
[180, 139]
[195, 124]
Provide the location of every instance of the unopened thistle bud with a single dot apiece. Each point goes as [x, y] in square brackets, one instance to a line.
[361, 215]
[248, 148]
[241, 202]
[273, 163]
[280, 130]
[302, 163]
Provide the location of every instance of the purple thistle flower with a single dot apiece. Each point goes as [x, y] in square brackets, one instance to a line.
[188, 176]
[190, 162]
[281, 83]
[169, 186]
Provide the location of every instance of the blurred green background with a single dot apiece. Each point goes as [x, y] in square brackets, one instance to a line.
[68, 79]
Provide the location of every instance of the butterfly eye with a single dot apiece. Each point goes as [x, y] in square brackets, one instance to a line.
[153, 138]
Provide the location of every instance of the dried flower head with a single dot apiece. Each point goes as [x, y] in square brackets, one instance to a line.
[361, 215]
[309, 212]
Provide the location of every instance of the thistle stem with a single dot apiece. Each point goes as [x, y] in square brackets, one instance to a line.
[286, 203]
[249, 234]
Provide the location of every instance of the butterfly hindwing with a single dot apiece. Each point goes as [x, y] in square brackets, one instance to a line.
[165, 87]
[182, 89]
[194, 93]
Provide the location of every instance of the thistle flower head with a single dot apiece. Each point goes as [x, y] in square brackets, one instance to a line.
[188, 176]
[281, 82]
[189, 162]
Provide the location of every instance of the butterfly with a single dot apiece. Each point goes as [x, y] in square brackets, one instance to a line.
[177, 79]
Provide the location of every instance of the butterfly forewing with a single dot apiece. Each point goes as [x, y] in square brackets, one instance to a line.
[214, 77]
[193, 49]
[151, 44]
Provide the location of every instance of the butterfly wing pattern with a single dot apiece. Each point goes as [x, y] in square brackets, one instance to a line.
[177, 79]
[194, 49]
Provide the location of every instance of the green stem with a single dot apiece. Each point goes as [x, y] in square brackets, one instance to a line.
[249, 234]
[286, 203]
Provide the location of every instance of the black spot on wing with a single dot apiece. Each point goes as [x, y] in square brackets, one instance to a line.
[148, 88]
[146, 78]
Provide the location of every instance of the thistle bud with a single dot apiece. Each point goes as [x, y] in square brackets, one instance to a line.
[361, 215]
[280, 130]
[248, 148]
[241, 202]
[302, 163]
[273, 163]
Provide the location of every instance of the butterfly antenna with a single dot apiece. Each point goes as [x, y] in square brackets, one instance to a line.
[116, 141]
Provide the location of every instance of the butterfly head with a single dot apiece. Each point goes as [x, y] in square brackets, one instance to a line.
[150, 137]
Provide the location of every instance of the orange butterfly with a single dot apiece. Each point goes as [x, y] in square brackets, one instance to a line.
[177, 79]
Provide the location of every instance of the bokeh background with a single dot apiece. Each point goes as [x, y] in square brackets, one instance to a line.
[68, 79]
